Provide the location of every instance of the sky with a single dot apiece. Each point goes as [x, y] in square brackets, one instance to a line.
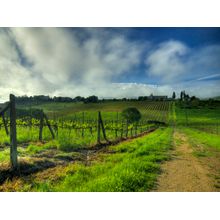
[109, 62]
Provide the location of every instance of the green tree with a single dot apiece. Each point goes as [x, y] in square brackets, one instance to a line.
[131, 114]
[174, 95]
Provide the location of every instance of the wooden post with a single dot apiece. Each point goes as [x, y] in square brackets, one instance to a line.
[83, 121]
[13, 134]
[49, 126]
[186, 113]
[41, 125]
[126, 128]
[116, 131]
[102, 126]
[122, 126]
[98, 129]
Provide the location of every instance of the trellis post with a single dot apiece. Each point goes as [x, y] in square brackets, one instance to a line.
[13, 134]
[41, 125]
[98, 129]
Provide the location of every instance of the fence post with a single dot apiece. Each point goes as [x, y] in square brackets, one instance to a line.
[48, 125]
[102, 126]
[41, 125]
[83, 121]
[98, 129]
[122, 126]
[13, 134]
[126, 128]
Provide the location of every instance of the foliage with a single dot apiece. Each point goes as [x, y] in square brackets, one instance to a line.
[131, 114]
[91, 99]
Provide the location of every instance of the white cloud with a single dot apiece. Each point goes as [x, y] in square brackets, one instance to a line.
[84, 62]
[60, 57]
[174, 62]
[58, 60]
[166, 60]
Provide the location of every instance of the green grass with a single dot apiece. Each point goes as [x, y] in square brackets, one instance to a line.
[33, 148]
[202, 137]
[4, 155]
[133, 167]
[203, 118]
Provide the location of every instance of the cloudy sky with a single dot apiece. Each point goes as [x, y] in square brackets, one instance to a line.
[109, 62]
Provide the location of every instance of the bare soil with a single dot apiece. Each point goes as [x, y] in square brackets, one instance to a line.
[185, 172]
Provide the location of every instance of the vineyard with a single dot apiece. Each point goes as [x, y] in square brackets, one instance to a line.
[92, 147]
[47, 140]
[82, 128]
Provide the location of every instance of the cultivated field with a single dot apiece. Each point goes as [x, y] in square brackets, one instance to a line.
[87, 154]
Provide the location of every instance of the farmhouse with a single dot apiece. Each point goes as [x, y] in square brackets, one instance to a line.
[161, 98]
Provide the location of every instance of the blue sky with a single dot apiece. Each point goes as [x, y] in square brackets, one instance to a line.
[109, 62]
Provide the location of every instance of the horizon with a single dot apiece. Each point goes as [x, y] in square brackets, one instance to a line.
[116, 62]
[108, 98]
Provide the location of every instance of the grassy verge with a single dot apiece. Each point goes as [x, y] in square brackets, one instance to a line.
[201, 137]
[133, 166]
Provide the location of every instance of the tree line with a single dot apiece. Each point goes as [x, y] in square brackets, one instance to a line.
[90, 99]
[42, 98]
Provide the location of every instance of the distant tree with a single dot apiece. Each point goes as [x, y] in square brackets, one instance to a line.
[182, 94]
[131, 114]
[186, 97]
[174, 95]
[79, 99]
[91, 99]
[142, 98]
[193, 98]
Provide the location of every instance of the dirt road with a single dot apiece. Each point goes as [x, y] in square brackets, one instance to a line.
[184, 172]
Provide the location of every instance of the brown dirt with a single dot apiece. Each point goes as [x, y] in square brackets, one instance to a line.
[185, 172]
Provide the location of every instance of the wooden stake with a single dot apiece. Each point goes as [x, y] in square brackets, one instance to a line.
[98, 129]
[103, 128]
[41, 125]
[49, 126]
[13, 134]
[83, 120]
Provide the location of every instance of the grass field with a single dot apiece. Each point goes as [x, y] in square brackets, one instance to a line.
[204, 118]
